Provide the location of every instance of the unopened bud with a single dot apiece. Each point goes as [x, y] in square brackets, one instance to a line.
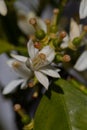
[17, 107]
[56, 11]
[66, 58]
[40, 34]
[35, 94]
[76, 41]
[37, 45]
[62, 34]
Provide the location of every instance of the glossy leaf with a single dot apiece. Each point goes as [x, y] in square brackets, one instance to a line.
[52, 114]
[65, 109]
[76, 102]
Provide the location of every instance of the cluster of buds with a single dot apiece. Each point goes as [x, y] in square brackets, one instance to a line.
[53, 37]
[50, 36]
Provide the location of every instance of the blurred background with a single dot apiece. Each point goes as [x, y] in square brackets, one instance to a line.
[14, 32]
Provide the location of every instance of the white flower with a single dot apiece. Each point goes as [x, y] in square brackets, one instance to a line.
[81, 63]
[75, 30]
[24, 75]
[40, 63]
[25, 26]
[83, 9]
[3, 8]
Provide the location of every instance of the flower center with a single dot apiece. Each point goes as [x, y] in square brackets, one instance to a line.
[38, 61]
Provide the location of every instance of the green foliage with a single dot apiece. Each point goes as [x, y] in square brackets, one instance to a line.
[5, 46]
[65, 110]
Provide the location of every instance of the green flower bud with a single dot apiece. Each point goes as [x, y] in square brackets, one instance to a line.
[76, 41]
[58, 58]
[57, 42]
[40, 34]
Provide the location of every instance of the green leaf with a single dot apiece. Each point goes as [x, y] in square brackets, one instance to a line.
[76, 102]
[52, 114]
[5, 46]
[65, 110]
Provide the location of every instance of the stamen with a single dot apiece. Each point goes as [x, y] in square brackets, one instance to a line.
[38, 61]
[47, 21]
[33, 22]
[54, 19]
[16, 64]
[42, 56]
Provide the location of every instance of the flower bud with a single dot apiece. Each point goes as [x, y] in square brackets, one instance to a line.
[56, 11]
[40, 34]
[17, 107]
[62, 34]
[35, 94]
[66, 58]
[76, 41]
[37, 45]
[58, 58]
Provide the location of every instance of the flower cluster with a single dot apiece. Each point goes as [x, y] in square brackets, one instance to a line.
[46, 48]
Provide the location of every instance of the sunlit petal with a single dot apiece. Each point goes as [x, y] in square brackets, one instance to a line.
[3, 8]
[83, 9]
[12, 86]
[74, 29]
[22, 70]
[24, 85]
[19, 58]
[81, 63]
[31, 49]
[65, 42]
[49, 52]
[50, 72]
[42, 79]
[41, 24]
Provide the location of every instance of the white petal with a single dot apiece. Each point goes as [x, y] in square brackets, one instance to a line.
[19, 58]
[83, 9]
[81, 63]
[3, 8]
[23, 71]
[50, 72]
[10, 62]
[25, 27]
[74, 30]
[12, 86]
[24, 85]
[41, 24]
[31, 49]
[65, 42]
[42, 79]
[49, 52]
